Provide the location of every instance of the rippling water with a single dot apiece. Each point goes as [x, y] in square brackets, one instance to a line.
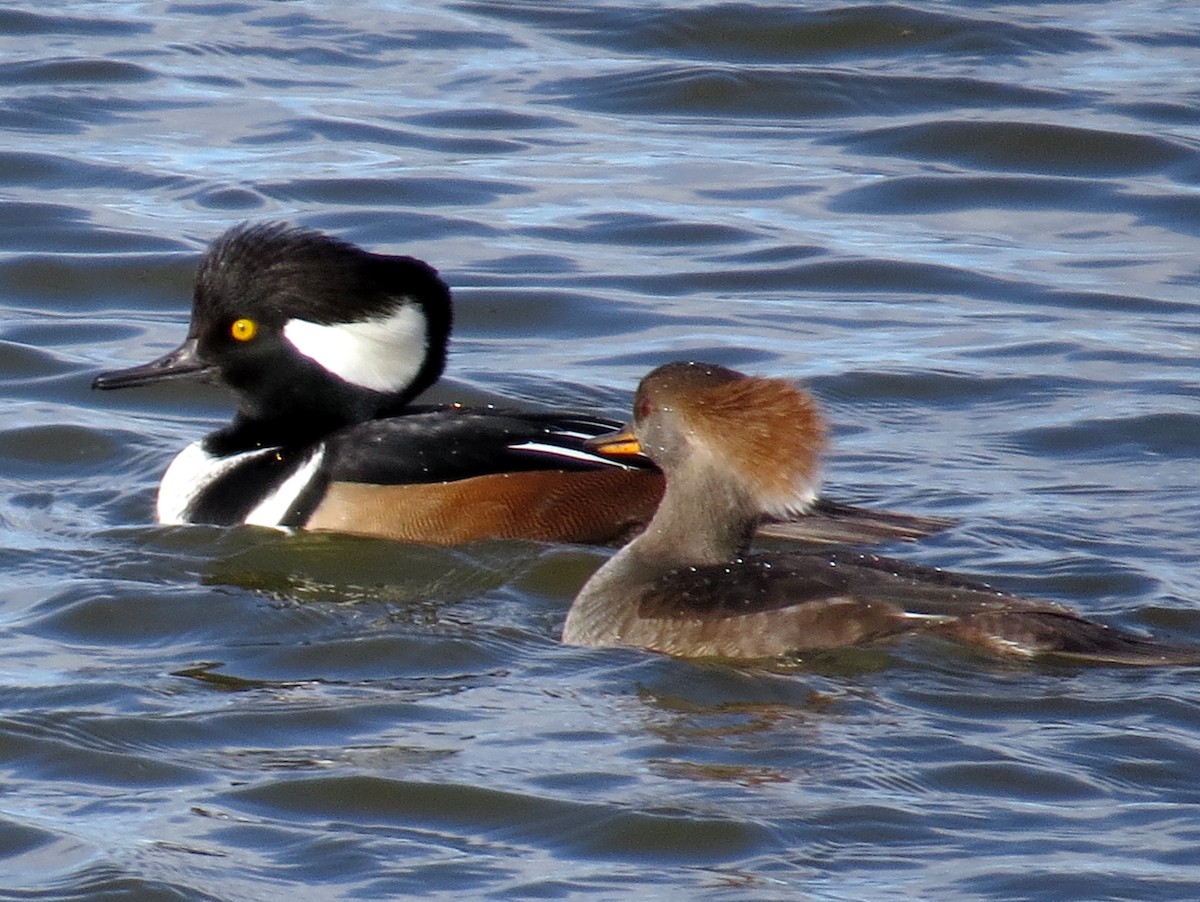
[973, 230]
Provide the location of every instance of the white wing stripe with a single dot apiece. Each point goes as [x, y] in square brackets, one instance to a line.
[569, 453]
[567, 433]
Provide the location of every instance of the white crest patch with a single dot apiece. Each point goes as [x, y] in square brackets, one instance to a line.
[383, 353]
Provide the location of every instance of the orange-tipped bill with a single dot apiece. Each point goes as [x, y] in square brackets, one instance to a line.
[617, 445]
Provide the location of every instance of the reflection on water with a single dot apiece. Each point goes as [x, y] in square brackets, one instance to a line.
[972, 232]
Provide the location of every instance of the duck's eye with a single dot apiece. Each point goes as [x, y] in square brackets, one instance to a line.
[641, 409]
[243, 329]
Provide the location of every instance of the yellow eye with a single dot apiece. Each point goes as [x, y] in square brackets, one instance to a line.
[243, 329]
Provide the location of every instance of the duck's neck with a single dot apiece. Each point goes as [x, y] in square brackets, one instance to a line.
[701, 520]
[298, 412]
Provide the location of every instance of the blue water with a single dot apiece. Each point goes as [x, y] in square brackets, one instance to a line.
[972, 229]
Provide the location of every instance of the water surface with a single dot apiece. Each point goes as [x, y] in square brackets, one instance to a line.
[971, 228]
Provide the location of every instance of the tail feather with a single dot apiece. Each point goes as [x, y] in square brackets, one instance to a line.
[1030, 634]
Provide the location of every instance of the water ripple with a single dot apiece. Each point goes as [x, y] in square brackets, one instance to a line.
[971, 231]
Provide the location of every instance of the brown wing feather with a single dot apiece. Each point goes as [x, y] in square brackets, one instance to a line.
[773, 605]
[754, 608]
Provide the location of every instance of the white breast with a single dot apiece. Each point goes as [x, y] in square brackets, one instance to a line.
[192, 470]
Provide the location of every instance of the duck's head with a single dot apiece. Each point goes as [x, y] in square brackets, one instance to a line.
[712, 426]
[301, 324]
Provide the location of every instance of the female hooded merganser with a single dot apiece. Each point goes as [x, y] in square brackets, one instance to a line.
[734, 448]
[326, 345]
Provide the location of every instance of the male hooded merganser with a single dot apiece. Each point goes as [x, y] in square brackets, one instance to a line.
[734, 448]
[326, 345]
